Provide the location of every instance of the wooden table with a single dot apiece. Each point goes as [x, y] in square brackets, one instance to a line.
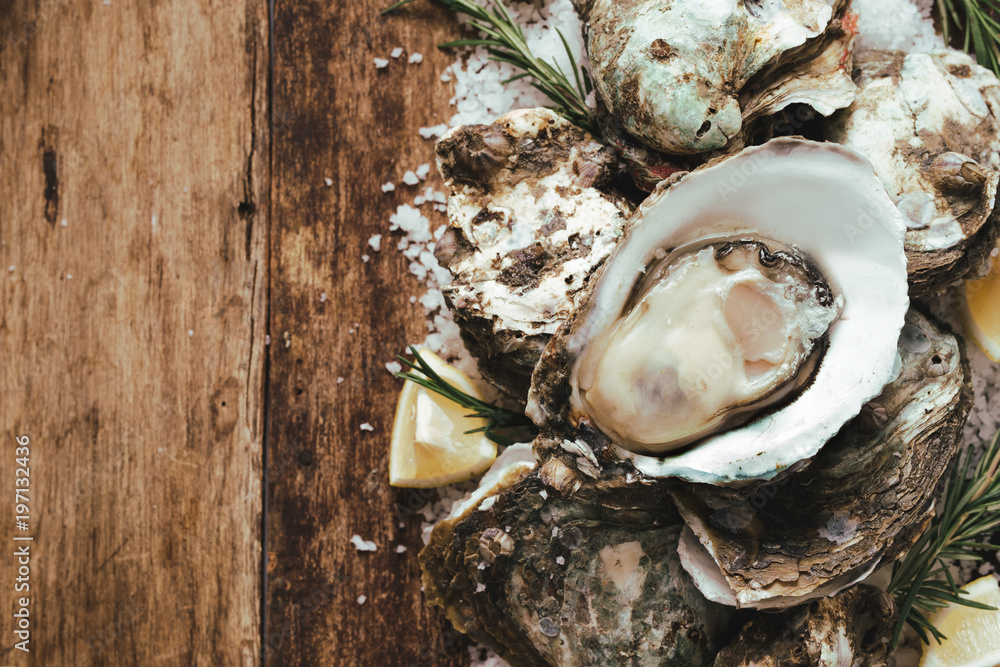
[164, 214]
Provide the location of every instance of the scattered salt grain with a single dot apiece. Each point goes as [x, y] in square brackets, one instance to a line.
[328, 181]
[190, 333]
[362, 544]
[433, 131]
[322, 297]
[375, 242]
[560, 560]
[365, 258]
[396, 52]
[11, 268]
[367, 427]
[339, 379]
[401, 549]
[394, 367]
[446, 77]
[388, 187]
[69, 276]
[415, 58]
[381, 62]
[544, 494]
[64, 222]
[410, 178]
[423, 170]
[361, 599]
[413, 299]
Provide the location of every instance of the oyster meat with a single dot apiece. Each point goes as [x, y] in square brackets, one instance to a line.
[930, 125]
[545, 579]
[751, 309]
[533, 211]
[862, 502]
[690, 76]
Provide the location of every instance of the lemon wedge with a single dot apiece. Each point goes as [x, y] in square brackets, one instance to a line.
[973, 634]
[982, 311]
[430, 444]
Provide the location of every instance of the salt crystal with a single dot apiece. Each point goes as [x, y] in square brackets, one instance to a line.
[415, 58]
[154, 221]
[367, 427]
[396, 52]
[69, 276]
[410, 178]
[361, 599]
[322, 297]
[11, 269]
[362, 544]
[375, 242]
[328, 181]
[418, 200]
[434, 131]
[365, 258]
[64, 222]
[381, 62]
[267, 339]
[388, 187]
[560, 560]
[423, 170]
[446, 77]
[339, 379]
[190, 332]
[394, 367]
[401, 549]
[413, 299]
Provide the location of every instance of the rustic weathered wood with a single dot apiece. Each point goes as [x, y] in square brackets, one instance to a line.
[133, 202]
[339, 117]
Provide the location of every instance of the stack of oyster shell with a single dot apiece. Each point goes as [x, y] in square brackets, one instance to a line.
[742, 404]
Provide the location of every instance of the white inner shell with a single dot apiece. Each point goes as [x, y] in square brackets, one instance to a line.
[821, 199]
[708, 340]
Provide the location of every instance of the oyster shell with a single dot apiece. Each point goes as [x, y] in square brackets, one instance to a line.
[822, 201]
[532, 212]
[543, 578]
[853, 628]
[930, 124]
[688, 76]
[862, 502]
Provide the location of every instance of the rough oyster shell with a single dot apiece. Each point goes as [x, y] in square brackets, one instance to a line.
[853, 628]
[930, 125]
[863, 501]
[688, 76]
[546, 579]
[532, 213]
[820, 198]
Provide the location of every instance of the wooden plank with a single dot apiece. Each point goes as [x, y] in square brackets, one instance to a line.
[338, 117]
[133, 201]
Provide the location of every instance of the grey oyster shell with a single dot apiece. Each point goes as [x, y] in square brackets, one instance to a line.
[930, 125]
[542, 578]
[853, 628]
[532, 212]
[863, 501]
[686, 76]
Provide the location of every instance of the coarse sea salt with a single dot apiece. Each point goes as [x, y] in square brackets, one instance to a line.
[423, 170]
[410, 178]
[415, 58]
[396, 52]
[394, 367]
[362, 544]
[381, 62]
[367, 427]
[388, 187]
[375, 242]
[433, 131]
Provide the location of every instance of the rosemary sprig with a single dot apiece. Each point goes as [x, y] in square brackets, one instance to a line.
[921, 582]
[505, 42]
[515, 426]
[979, 21]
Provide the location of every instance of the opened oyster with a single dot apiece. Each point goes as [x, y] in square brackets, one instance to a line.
[861, 503]
[546, 579]
[930, 125]
[690, 76]
[750, 311]
[533, 211]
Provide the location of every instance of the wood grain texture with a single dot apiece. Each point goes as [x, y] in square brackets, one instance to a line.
[133, 194]
[338, 117]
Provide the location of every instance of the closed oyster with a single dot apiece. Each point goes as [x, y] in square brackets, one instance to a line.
[688, 76]
[767, 293]
[853, 628]
[532, 212]
[543, 578]
[862, 502]
[930, 125]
